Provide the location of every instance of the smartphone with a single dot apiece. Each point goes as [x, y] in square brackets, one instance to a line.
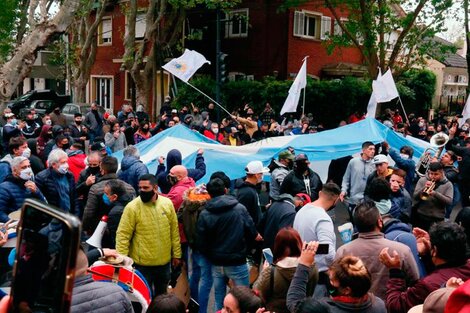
[46, 251]
[323, 248]
[193, 306]
[268, 255]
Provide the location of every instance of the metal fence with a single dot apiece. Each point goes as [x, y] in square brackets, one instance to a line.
[451, 104]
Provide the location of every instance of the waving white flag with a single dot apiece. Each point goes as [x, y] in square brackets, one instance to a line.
[384, 87]
[465, 112]
[186, 65]
[290, 105]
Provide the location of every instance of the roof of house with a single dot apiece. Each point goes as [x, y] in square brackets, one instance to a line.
[450, 59]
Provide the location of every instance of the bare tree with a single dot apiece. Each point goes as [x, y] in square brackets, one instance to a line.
[41, 29]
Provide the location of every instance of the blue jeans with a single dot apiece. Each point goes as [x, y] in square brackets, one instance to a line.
[200, 281]
[221, 274]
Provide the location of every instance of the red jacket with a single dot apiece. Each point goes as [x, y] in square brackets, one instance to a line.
[401, 299]
[209, 134]
[176, 196]
[77, 164]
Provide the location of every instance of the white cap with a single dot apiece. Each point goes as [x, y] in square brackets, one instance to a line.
[380, 158]
[256, 167]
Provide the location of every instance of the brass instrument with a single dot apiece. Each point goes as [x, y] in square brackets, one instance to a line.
[438, 141]
[427, 191]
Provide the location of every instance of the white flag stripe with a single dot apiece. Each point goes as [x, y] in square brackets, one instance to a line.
[385, 88]
[300, 82]
[372, 106]
[465, 112]
[186, 65]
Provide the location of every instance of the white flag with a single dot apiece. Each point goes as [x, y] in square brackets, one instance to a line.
[186, 65]
[300, 82]
[384, 87]
[465, 112]
[372, 106]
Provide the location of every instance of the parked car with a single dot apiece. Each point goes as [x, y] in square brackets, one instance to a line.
[42, 108]
[70, 109]
[25, 100]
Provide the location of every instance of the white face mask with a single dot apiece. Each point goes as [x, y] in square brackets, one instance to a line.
[421, 124]
[63, 168]
[404, 156]
[48, 122]
[26, 153]
[27, 174]
[215, 130]
[464, 128]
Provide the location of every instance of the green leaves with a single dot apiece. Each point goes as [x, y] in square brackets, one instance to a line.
[8, 16]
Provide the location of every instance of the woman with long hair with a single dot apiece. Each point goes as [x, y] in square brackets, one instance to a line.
[241, 299]
[275, 279]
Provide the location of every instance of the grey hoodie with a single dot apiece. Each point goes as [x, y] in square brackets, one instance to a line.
[355, 178]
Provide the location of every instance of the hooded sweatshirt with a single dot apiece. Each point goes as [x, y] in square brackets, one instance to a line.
[225, 230]
[174, 158]
[435, 205]
[131, 170]
[355, 178]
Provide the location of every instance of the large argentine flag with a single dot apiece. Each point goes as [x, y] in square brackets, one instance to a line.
[320, 147]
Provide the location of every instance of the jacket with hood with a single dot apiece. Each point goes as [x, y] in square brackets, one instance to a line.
[354, 180]
[298, 302]
[247, 195]
[273, 290]
[176, 196]
[277, 177]
[12, 196]
[225, 230]
[194, 201]
[132, 169]
[174, 158]
[280, 214]
[435, 205]
[76, 162]
[294, 183]
[401, 205]
[395, 230]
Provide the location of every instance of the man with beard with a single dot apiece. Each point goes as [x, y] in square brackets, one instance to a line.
[302, 179]
[148, 233]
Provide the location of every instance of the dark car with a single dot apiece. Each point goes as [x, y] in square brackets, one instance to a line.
[25, 100]
[42, 107]
[70, 109]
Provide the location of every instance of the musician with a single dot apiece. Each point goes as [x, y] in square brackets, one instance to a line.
[429, 203]
[452, 173]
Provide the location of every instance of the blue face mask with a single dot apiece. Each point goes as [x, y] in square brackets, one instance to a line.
[106, 199]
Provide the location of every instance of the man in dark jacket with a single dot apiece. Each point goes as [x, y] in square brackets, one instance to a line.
[93, 296]
[94, 208]
[174, 158]
[247, 193]
[115, 198]
[17, 187]
[225, 229]
[57, 183]
[400, 198]
[445, 246]
[464, 164]
[403, 160]
[280, 214]
[132, 167]
[302, 179]
[17, 146]
[87, 178]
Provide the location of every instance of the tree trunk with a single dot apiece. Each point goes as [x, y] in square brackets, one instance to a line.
[79, 89]
[20, 65]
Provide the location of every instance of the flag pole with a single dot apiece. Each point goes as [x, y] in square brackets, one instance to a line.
[403, 108]
[197, 89]
[303, 101]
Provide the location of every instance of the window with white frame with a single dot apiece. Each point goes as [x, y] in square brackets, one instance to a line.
[311, 25]
[105, 32]
[140, 25]
[236, 23]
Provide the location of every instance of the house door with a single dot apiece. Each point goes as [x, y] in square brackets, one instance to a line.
[103, 91]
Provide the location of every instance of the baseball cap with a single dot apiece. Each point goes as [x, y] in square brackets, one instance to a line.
[380, 158]
[174, 111]
[98, 146]
[286, 155]
[305, 197]
[256, 167]
[301, 157]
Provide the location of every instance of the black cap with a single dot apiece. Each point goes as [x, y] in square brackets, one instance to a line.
[301, 157]
[98, 146]
[77, 115]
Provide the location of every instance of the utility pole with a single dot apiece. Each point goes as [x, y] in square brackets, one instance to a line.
[217, 61]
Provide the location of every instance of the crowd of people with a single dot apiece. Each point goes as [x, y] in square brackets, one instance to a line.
[409, 247]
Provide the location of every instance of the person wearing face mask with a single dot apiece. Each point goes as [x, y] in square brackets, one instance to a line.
[94, 120]
[247, 189]
[232, 138]
[143, 133]
[403, 160]
[94, 208]
[464, 163]
[18, 186]
[76, 160]
[57, 183]
[279, 170]
[213, 133]
[32, 127]
[115, 197]
[11, 129]
[302, 179]
[16, 147]
[88, 177]
[77, 132]
[43, 139]
[148, 233]
[58, 118]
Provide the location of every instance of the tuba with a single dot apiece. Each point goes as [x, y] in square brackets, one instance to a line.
[437, 141]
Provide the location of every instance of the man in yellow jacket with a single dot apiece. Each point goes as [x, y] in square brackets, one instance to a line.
[148, 233]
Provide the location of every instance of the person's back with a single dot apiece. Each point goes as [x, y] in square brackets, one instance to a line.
[370, 242]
